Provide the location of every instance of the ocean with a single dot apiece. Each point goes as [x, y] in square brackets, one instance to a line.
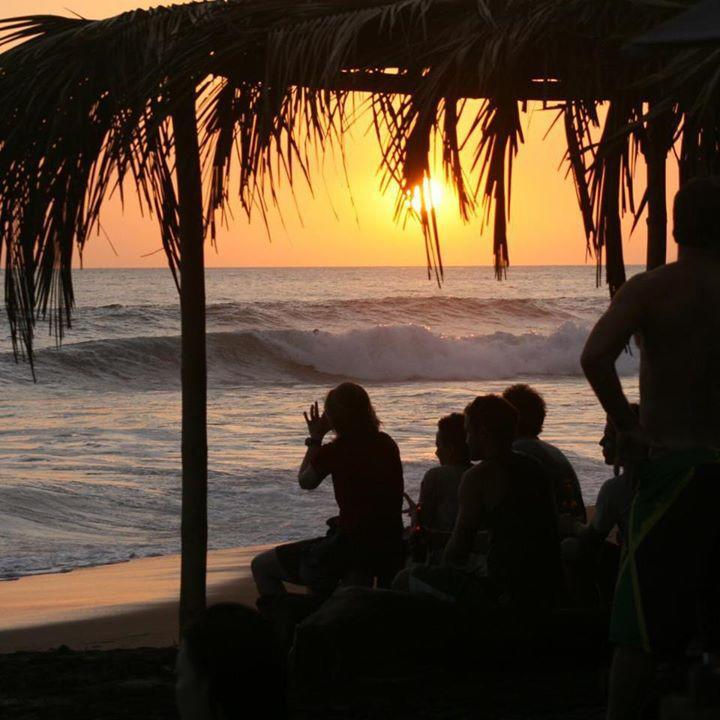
[90, 454]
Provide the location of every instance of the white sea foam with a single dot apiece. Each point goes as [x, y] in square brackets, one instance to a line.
[390, 353]
[406, 353]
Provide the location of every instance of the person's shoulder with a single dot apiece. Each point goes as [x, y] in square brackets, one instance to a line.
[530, 465]
[557, 454]
[520, 456]
[527, 445]
[434, 474]
[475, 471]
[385, 442]
[636, 285]
[385, 439]
[473, 479]
[621, 483]
[646, 284]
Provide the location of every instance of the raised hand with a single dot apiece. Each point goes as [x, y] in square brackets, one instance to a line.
[318, 424]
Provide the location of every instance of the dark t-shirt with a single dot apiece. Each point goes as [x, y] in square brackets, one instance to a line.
[568, 495]
[439, 496]
[368, 482]
[524, 555]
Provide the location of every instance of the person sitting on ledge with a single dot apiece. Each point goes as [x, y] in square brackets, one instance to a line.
[591, 559]
[532, 410]
[612, 506]
[509, 495]
[438, 503]
[228, 661]
[365, 542]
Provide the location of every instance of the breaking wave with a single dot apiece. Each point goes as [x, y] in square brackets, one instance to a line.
[383, 353]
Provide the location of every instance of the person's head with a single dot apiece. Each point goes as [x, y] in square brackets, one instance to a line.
[531, 409]
[696, 214]
[228, 661]
[349, 410]
[490, 426]
[450, 442]
[608, 442]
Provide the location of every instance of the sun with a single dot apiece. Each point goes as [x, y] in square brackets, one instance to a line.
[433, 192]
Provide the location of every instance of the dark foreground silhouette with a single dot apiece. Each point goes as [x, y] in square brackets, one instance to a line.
[114, 684]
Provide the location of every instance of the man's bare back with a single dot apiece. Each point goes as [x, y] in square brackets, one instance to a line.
[674, 314]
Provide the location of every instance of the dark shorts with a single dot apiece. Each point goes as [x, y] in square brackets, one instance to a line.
[321, 563]
[668, 584]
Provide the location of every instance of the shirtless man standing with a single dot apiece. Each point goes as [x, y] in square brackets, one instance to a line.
[674, 314]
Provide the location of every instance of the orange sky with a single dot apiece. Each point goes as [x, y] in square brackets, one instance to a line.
[545, 226]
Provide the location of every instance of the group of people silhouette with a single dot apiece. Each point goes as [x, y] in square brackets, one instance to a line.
[501, 522]
[510, 501]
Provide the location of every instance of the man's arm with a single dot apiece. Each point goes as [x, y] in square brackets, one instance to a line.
[469, 518]
[607, 340]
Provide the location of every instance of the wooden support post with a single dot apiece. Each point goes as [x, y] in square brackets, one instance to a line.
[614, 259]
[655, 147]
[194, 364]
[609, 227]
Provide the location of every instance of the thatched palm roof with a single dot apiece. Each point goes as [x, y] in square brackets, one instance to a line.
[698, 24]
[86, 107]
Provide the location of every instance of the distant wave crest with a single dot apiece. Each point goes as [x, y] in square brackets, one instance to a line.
[433, 310]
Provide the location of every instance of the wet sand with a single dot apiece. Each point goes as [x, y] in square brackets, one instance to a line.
[127, 605]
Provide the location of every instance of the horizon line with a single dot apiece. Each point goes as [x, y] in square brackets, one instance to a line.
[350, 267]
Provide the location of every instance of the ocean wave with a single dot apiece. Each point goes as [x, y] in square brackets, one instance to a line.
[281, 314]
[384, 353]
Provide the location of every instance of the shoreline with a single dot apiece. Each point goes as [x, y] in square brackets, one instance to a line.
[126, 604]
[121, 605]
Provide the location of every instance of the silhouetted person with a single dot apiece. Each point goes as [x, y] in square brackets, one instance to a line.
[439, 487]
[365, 541]
[612, 507]
[509, 495]
[532, 410]
[674, 313]
[436, 510]
[229, 667]
[591, 559]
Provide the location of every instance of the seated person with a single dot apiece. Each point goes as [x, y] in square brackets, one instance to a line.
[509, 495]
[591, 561]
[612, 506]
[438, 504]
[364, 463]
[531, 416]
[228, 662]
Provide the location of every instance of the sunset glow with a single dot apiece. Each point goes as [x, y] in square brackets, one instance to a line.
[329, 226]
[433, 193]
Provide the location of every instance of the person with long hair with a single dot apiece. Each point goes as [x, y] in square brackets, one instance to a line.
[364, 542]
